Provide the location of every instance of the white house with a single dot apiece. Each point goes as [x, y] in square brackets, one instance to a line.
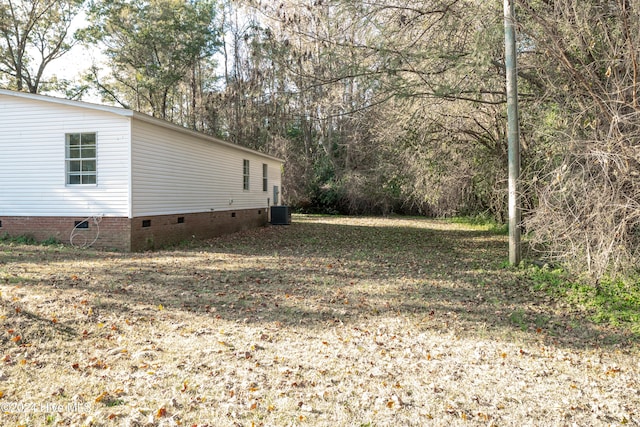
[115, 178]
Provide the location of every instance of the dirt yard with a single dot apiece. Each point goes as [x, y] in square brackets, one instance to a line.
[326, 322]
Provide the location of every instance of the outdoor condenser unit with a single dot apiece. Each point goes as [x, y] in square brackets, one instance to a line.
[280, 215]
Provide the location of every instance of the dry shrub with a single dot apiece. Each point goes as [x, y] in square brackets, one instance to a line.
[588, 216]
[588, 209]
[365, 193]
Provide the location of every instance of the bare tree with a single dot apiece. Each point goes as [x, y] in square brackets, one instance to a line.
[32, 34]
[338, 71]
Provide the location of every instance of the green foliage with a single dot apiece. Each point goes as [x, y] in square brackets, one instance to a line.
[616, 302]
[612, 301]
[483, 219]
[323, 190]
[552, 281]
[27, 239]
[51, 241]
[152, 46]
[24, 239]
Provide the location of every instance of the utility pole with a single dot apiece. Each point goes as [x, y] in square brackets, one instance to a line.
[513, 132]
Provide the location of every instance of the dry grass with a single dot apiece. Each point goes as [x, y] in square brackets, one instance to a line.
[327, 322]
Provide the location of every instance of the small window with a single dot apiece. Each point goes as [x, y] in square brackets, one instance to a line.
[245, 174]
[0, 224]
[80, 158]
[265, 181]
[81, 224]
[146, 223]
[180, 220]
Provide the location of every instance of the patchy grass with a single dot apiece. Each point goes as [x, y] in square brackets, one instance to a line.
[20, 240]
[330, 321]
[483, 221]
[614, 302]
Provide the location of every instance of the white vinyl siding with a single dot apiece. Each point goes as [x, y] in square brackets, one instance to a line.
[180, 172]
[33, 178]
[143, 166]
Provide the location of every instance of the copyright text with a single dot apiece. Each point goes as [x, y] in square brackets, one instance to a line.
[43, 407]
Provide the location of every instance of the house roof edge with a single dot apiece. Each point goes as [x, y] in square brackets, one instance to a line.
[135, 115]
[69, 102]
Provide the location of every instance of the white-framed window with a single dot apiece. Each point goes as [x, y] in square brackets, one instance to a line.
[245, 174]
[80, 156]
[265, 177]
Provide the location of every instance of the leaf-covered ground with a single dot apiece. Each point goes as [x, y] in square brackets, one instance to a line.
[326, 322]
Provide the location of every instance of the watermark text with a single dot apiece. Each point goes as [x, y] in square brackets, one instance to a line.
[43, 407]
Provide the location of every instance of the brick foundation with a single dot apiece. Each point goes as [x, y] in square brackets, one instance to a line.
[112, 233]
[136, 234]
[166, 229]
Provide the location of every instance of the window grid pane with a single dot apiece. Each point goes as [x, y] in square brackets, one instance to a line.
[265, 184]
[81, 158]
[245, 174]
[73, 166]
[89, 166]
[88, 138]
